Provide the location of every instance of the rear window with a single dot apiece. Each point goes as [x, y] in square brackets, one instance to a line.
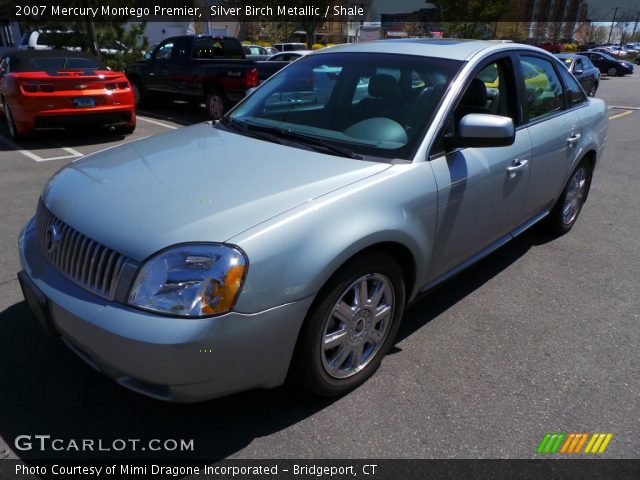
[212, 47]
[64, 63]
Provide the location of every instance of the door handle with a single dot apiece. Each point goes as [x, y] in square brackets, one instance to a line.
[574, 138]
[516, 165]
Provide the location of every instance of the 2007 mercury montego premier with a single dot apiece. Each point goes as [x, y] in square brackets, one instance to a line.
[288, 237]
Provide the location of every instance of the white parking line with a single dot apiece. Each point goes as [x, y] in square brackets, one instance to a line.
[38, 158]
[618, 115]
[155, 122]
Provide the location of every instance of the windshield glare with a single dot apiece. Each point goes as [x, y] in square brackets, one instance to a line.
[373, 104]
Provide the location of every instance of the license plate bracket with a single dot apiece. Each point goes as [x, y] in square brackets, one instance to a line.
[38, 304]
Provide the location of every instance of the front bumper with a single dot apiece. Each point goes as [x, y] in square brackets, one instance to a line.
[167, 358]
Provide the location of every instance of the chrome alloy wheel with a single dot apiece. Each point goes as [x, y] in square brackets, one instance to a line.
[357, 325]
[575, 195]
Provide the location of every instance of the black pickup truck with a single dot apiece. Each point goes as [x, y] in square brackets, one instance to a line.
[198, 68]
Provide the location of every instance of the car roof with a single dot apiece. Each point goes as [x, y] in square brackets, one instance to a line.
[449, 48]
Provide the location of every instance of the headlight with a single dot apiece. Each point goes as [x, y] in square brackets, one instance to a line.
[190, 280]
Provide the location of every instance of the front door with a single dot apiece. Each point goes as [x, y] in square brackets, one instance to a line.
[480, 190]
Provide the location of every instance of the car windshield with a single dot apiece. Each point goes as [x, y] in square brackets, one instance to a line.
[369, 104]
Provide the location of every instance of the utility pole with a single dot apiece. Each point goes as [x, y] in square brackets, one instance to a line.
[615, 10]
[91, 31]
[635, 25]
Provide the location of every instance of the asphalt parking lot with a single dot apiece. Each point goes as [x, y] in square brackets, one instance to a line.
[542, 336]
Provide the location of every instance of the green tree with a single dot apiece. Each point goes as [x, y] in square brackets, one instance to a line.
[485, 13]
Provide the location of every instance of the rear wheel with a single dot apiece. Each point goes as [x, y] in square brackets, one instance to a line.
[612, 72]
[215, 103]
[125, 129]
[351, 326]
[139, 95]
[566, 210]
[11, 124]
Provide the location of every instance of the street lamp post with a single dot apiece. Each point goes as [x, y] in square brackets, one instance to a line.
[615, 10]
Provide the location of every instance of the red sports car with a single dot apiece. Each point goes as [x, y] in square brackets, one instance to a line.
[55, 89]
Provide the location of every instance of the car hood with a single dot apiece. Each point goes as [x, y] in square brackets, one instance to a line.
[190, 185]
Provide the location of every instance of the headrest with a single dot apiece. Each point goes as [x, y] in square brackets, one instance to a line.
[476, 94]
[383, 85]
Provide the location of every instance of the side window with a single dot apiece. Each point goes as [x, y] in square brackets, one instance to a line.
[163, 54]
[182, 50]
[579, 65]
[488, 93]
[491, 91]
[542, 86]
[574, 91]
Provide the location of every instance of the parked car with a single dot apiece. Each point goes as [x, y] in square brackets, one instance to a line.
[612, 51]
[289, 47]
[609, 65]
[582, 68]
[60, 88]
[47, 40]
[288, 56]
[287, 238]
[256, 52]
[199, 68]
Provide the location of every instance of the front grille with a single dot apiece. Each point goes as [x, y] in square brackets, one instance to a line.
[84, 261]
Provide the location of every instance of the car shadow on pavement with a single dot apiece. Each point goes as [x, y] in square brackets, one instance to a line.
[55, 139]
[47, 390]
[439, 299]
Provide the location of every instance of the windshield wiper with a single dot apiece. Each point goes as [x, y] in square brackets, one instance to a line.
[308, 140]
[318, 144]
[250, 132]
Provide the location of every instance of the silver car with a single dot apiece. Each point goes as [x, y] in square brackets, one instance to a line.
[287, 239]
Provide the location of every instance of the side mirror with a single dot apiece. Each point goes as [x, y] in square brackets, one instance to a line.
[480, 130]
[578, 71]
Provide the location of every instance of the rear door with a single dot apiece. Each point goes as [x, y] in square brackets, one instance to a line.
[554, 128]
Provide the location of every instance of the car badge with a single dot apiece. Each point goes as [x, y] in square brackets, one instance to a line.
[81, 86]
[52, 238]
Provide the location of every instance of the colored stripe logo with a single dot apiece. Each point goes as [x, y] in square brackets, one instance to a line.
[573, 443]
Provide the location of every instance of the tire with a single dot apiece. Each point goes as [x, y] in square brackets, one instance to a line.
[612, 72]
[11, 124]
[139, 94]
[565, 212]
[215, 103]
[125, 129]
[359, 340]
[594, 89]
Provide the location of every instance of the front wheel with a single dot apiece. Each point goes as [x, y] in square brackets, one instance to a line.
[566, 210]
[612, 72]
[351, 326]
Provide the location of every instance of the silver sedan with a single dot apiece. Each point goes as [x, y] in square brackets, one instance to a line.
[287, 239]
